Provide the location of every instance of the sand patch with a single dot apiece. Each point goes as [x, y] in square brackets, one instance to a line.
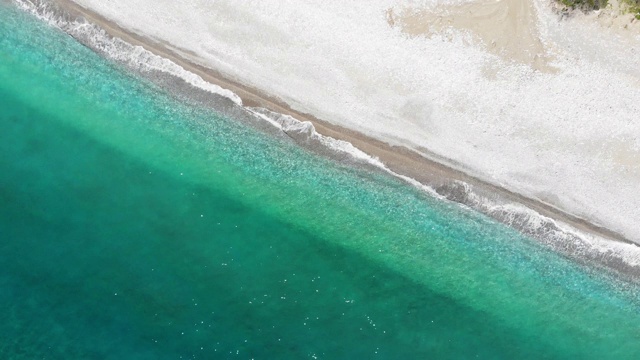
[507, 28]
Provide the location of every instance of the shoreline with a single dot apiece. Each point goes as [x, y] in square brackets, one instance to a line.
[399, 159]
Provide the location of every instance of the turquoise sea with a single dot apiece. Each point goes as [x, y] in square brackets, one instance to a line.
[138, 224]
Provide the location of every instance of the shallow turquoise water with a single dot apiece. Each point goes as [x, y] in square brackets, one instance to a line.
[136, 226]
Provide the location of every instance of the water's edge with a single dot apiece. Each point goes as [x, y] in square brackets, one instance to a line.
[571, 236]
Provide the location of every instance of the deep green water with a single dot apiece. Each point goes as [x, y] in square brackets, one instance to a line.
[136, 226]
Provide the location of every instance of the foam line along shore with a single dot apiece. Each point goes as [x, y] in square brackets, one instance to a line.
[550, 118]
[566, 233]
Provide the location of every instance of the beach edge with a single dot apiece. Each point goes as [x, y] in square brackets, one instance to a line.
[428, 169]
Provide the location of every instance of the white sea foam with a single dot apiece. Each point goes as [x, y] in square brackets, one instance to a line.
[133, 56]
[304, 132]
[555, 234]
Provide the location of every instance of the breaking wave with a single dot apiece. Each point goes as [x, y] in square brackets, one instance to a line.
[132, 56]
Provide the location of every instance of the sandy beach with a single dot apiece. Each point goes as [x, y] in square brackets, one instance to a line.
[399, 159]
[506, 28]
